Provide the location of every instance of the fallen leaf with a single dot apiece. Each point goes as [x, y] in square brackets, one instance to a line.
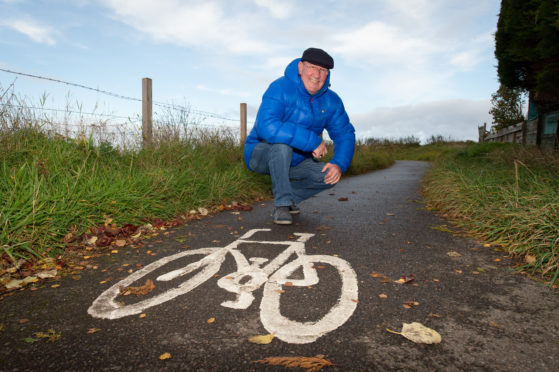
[51, 335]
[405, 279]
[142, 316]
[55, 286]
[418, 333]
[93, 330]
[203, 211]
[409, 304]
[288, 284]
[382, 295]
[210, 321]
[310, 363]
[262, 339]
[138, 291]
[165, 356]
[454, 254]
[390, 214]
[529, 259]
[47, 274]
[323, 228]
[343, 199]
[120, 243]
[14, 283]
[434, 315]
[24, 320]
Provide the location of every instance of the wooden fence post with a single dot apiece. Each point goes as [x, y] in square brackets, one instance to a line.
[147, 111]
[243, 122]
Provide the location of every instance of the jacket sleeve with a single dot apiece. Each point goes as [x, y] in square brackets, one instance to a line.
[271, 125]
[342, 132]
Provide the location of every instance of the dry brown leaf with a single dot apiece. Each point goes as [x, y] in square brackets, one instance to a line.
[262, 339]
[138, 291]
[120, 242]
[454, 254]
[529, 259]
[323, 228]
[311, 364]
[93, 330]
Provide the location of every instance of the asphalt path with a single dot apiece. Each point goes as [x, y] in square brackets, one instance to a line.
[355, 242]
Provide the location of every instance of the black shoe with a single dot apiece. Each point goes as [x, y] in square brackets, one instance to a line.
[293, 209]
[282, 216]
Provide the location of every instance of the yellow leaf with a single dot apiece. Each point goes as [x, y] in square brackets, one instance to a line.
[165, 356]
[141, 316]
[114, 251]
[418, 333]
[262, 339]
[55, 286]
[211, 320]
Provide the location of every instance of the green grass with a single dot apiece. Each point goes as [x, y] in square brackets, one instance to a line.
[51, 185]
[505, 194]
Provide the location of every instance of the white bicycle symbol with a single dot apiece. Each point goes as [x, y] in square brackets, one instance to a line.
[273, 275]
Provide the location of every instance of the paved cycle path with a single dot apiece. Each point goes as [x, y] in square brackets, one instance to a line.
[363, 235]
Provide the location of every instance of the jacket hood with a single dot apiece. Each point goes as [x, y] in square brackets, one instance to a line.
[292, 73]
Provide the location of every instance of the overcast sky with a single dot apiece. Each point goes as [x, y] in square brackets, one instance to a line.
[402, 67]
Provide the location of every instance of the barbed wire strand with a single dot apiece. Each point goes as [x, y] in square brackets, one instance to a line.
[160, 104]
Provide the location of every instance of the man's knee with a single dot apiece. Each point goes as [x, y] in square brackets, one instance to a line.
[282, 150]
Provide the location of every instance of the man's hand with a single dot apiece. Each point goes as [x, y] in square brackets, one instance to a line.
[320, 151]
[334, 173]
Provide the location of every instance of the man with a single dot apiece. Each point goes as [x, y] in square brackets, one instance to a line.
[286, 141]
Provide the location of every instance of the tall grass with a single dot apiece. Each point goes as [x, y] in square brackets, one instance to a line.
[52, 183]
[505, 194]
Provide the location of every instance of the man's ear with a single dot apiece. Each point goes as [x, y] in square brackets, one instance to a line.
[300, 66]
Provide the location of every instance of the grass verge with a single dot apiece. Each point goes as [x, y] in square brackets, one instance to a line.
[505, 194]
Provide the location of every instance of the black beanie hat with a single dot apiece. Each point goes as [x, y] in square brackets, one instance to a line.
[318, 57]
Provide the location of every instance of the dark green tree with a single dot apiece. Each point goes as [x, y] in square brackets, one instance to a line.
[506, 107]
[527, 48]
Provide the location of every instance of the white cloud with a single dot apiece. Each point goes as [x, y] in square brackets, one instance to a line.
[33, 30]
[278, 9]
[202, 24]
[457, 119]
[379, 43]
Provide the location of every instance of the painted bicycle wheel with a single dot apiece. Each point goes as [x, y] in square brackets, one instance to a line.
[106, 307]
[306, 332]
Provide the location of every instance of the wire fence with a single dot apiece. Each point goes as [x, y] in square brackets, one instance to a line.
[170, 120]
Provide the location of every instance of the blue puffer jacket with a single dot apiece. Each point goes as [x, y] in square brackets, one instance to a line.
[289, 114]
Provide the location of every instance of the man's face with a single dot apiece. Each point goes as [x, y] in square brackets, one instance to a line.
[313, 76]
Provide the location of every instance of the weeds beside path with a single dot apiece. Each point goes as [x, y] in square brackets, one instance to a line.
[505, 194]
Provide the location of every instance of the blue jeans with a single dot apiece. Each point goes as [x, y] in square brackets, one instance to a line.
[289, 184]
